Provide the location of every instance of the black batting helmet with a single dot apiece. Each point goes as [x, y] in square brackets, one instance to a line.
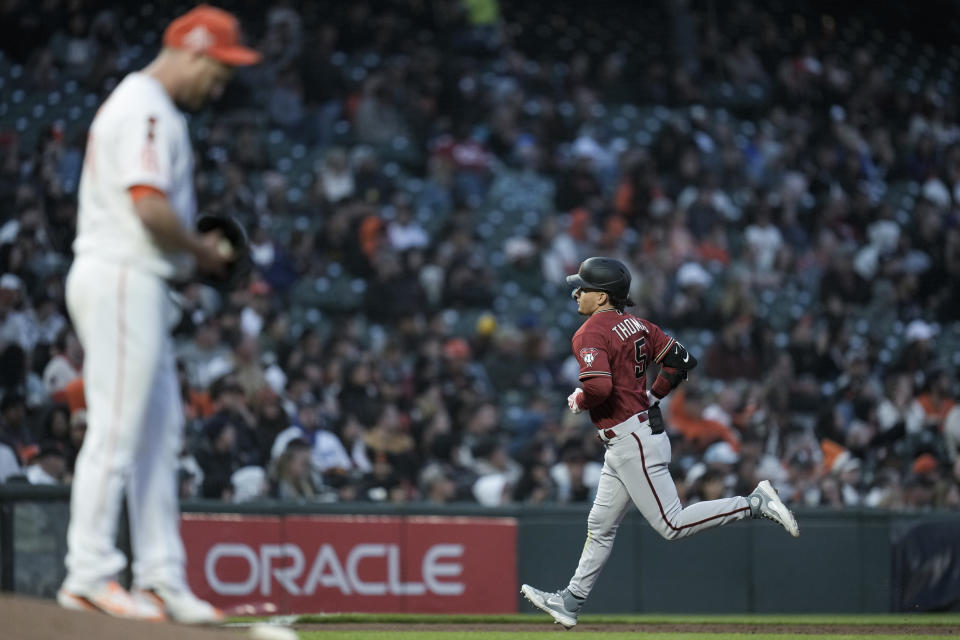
[603, 274]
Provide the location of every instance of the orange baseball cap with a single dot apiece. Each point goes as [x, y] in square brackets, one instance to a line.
[924, 463]
[212, 32]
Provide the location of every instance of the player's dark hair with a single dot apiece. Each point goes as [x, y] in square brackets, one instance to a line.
[619, 303]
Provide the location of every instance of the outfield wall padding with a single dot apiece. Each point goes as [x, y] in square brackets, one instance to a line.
[843, 561]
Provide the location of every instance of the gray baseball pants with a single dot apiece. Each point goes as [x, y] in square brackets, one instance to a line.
[635, 468]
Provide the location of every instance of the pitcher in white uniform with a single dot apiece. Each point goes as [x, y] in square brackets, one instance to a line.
[135, 233]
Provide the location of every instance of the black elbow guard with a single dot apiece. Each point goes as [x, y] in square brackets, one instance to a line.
[679, 358]
[673, 376]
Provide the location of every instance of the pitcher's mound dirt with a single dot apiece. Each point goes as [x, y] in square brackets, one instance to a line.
[32, 619]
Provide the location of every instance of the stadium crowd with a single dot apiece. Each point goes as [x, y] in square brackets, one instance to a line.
[418, 178]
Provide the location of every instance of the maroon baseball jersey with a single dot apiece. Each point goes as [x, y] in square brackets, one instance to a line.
[619, 345]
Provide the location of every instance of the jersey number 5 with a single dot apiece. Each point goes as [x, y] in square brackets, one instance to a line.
[640, 357]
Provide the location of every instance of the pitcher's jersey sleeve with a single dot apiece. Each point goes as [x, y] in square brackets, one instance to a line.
[591, 350]
[144, 150]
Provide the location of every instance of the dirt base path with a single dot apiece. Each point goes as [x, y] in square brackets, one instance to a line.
[33, 619]
[862, 630]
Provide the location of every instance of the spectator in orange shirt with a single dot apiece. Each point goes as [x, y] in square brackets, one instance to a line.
[73, 395]
[685, 417]
[937, 400]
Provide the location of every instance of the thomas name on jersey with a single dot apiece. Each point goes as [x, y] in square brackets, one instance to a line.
[627, 328]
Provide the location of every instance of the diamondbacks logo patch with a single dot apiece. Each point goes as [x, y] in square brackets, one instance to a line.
[588, 355]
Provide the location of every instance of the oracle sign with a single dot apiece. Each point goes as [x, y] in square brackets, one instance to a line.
[327, 570]
[302, 564]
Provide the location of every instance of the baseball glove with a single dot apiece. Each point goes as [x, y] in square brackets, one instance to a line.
[240, 264]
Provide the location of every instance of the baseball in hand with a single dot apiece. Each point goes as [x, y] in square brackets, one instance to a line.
[224, 248]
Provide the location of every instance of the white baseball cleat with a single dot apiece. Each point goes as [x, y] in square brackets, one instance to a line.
[764, 502]
[181, 605]
[551, 603]
[111, 599]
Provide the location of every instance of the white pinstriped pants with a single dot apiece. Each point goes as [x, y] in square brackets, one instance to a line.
[134, 428]
[635, 469]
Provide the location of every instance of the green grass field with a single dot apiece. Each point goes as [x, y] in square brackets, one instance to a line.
[622, 627]
[539, 635]
[932, 619]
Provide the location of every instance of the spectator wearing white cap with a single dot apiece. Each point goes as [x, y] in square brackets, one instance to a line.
[721, 459]
[918, 351]
[689, 306]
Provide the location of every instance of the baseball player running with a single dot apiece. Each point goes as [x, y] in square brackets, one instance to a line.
[614, 349]
[134, 234]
